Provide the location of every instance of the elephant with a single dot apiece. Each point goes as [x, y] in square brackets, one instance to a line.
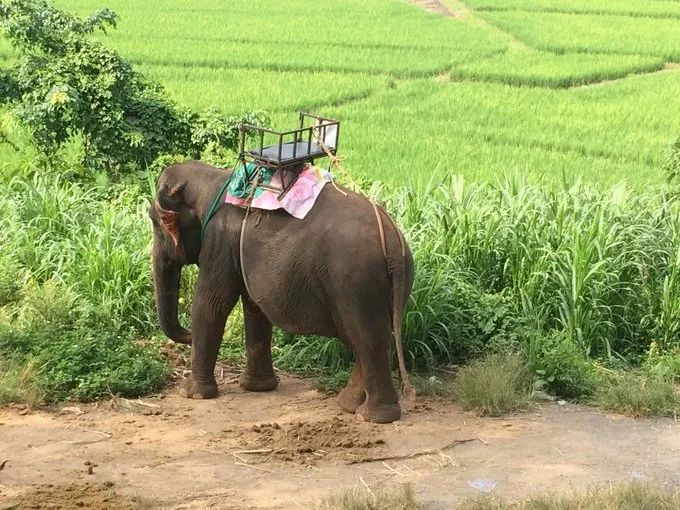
[344, 271]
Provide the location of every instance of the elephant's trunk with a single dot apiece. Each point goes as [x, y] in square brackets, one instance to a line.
[166, 277]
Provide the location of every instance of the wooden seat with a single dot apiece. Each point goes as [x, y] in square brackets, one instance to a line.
[290, 150]
[288, 153]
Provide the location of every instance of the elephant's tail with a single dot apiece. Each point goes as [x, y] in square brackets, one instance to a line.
[397, 274]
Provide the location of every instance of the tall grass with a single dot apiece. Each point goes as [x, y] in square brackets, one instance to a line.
[509, 265]
[75, 291]
[558, 271]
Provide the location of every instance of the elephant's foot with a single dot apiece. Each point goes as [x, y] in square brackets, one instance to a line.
[350, 398]
[258, 383]
[378, 413]
[193, 389]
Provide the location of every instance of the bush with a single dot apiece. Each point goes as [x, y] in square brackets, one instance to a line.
[494, 385]
[663, 364]
[559, 366]
[66, 87]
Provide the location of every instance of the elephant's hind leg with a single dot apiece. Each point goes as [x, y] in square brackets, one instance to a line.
[353, 395]
[372, 344]
[259, 374]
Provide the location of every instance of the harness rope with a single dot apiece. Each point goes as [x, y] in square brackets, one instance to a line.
[241, 242]
[213, 207]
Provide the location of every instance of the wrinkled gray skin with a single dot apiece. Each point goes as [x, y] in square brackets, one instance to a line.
[323, 275]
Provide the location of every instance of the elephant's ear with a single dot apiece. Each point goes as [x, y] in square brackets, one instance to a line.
[169, 199]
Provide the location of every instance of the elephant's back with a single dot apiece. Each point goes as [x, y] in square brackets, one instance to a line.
[301, 272]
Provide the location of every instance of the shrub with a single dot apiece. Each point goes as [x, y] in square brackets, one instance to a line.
[65, 86]
[494, 385]
[559, 366]
[663, 364]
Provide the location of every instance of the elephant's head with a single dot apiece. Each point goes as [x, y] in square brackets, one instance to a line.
[176, 242]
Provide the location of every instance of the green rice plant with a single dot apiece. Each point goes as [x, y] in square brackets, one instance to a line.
[235, 90]
[639, 394]
[622, 496]
[527, 67]
[350, 40]
[494, 385]
[636, 8]
[463, 128]
[592, 32]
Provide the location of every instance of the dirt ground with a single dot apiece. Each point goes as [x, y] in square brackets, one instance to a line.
[291, 447]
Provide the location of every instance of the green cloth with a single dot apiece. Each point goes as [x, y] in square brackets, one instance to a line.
[239, 183]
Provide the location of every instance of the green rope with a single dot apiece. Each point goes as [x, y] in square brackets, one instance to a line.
[213, 207]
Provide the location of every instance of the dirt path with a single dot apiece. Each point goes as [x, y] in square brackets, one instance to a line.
[437, 7]
[177, 453]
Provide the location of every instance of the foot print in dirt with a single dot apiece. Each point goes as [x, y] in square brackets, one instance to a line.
[308, 442]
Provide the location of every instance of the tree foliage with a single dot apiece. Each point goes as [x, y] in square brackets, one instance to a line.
[65, 85]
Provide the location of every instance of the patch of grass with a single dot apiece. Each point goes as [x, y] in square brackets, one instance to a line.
[639, 394]
[20, 383]
[401, 498]
[626, 496]
[494, 385]
[353, 42]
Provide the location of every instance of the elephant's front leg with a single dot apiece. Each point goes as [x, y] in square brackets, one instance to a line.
[259, 374]
[209, 313]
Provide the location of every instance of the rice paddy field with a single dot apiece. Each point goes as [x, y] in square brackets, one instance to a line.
[553, 89]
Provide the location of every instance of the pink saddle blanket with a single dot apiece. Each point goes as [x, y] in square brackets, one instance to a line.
[297, 202]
